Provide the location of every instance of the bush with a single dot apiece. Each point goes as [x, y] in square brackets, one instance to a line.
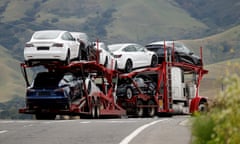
[221, 125]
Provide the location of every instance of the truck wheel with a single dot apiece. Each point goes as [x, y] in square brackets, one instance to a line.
[139, 111]
[93, 110]
[151, 110]
[97, 111]
[202, 107]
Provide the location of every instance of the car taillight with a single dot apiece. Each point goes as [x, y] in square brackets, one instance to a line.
[59, 90]
[29, 45]
[117, 56]
[57, 45]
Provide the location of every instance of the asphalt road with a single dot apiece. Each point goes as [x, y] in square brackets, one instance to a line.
[174, 130]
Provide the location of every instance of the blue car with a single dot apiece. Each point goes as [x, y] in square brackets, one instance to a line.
[53, 90]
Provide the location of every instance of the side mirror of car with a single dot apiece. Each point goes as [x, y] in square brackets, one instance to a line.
[191, 53]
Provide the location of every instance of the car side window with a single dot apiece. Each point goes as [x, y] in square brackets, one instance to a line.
[130, 49]
[67, 36]
[140, 48]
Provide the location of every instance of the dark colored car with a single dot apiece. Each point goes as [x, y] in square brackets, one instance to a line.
[126, 88]
[181, 52]
[53, 90]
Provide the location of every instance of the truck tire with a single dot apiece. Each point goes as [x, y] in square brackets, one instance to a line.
[151, 110]
[202, 107]
[139, 110]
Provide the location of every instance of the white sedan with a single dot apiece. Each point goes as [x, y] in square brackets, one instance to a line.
[106, 58]
[50, 46]
[131, 56]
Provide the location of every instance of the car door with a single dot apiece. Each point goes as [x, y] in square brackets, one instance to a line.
[72, 44]
[142, 56]
[130, 52]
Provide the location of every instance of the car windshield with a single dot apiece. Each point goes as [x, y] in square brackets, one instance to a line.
[46, 35]
[47, 80]
[113, 48]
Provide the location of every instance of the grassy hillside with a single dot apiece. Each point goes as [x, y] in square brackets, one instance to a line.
[213, 82]
[219, 47]
[145, 22]
[135, 20]
[11, 81]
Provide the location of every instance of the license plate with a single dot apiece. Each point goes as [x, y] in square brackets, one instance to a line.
[42, 48]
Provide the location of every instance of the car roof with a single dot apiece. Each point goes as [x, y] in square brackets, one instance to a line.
[60, 32]
[119, 45]
[162, 42]
[78, 33]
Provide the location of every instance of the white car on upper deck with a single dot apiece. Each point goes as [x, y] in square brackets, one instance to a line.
[49, 46]
[131, 56]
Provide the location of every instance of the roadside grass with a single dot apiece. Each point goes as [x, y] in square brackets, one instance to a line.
[220, 125]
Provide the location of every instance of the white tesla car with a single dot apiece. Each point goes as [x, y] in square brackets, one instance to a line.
[131, 56]
[51, 45]
[106, 58]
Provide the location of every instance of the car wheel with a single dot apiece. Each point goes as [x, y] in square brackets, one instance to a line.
[129, 93]
[67, 61]
[128, 66]
[154, 61]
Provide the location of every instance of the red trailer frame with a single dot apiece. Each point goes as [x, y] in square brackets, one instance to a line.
[95, 105]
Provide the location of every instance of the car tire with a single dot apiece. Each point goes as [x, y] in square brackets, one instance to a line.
[128, 66]
[129, 93]
[67, 61]
[154, 61]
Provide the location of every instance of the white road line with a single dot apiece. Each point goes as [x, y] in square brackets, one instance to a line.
[3, 131]
[127, 139]
[85, 122]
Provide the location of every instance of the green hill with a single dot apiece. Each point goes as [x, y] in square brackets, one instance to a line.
[219, 47]
[11, 81]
